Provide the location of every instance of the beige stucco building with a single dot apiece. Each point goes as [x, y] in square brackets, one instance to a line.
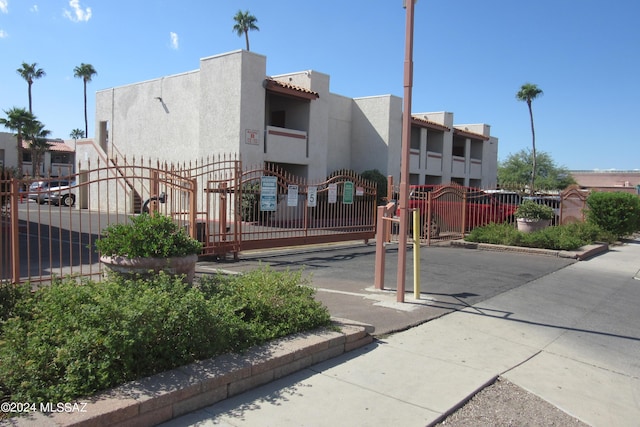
[230, 105]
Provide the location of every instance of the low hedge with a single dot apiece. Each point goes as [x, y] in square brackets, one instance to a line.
[70, 340]
[566, 237]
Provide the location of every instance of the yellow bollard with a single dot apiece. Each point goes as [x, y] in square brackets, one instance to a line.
[416, 254]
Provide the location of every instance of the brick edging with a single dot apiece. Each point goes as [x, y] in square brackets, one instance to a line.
[170, 394]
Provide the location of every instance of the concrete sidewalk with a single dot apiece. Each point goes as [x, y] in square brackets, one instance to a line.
[570, 337]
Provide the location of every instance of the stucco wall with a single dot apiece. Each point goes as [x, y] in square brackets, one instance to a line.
[377, 134]
[152, 119]
[339, 140]
[9, 143]
[232, 102]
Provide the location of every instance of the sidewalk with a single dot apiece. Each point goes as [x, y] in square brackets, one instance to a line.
[570, 337]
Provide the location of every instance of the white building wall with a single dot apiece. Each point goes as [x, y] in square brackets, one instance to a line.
[377, 134]
[221, 109]
[8, 143]
[232, 103]
[152, 119]
[490, 163]
[339, 140]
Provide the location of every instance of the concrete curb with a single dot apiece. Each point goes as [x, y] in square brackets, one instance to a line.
[581, 254]
[168, 395]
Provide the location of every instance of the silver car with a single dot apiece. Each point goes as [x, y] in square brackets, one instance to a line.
[63, 195]
[38, 190]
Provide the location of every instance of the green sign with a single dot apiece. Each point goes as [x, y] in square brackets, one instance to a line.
[347, 195]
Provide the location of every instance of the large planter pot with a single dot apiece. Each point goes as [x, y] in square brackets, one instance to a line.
[527, 225]
[130, 267]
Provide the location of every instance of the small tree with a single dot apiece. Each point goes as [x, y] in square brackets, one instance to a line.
[516, 169]
[617, 212]
[18, 119]
[37, 135]
[380, 180]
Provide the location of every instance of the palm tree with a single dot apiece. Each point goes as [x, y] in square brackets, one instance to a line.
[245, 22]
[18, 119]
[76, 134]
[527, 93]
[86, 73]
[30, 72]
[37, 136]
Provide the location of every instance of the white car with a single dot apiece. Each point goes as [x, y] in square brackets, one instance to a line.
[63, 195]
[38, 190]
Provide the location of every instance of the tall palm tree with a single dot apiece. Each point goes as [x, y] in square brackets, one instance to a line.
[86, 73]
[18, 119]
[244, 23]
[30, 72]
[527, 93]
[39, 144]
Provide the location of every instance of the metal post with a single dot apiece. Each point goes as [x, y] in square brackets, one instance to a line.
[14, 246]
[406, 141]
[380, 248]
[416, 254]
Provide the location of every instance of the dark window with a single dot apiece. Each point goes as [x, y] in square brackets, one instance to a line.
[278, 119]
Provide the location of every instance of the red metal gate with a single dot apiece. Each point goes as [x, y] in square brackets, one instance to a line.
[226, 209]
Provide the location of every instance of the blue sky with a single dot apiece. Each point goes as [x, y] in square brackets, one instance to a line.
[470, 58]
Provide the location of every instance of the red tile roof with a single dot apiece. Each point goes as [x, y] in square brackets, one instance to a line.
[289, 89]
[468, 134]
[53, 146]
[428, 124]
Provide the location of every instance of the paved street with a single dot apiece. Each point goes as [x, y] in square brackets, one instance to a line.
[566, 331]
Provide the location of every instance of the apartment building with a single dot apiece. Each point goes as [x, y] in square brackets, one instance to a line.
[230, 105]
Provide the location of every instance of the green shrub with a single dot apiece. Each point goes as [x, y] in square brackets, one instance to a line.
[147, 235]
[79, 339]
[10, 295]
[272, 304]
[495, 234]
[374, 175]
[251, 201]
[562, 237]
[70, 340]
[532, 210]
[617, 212]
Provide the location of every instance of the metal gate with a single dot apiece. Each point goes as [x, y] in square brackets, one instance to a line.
[227, 209]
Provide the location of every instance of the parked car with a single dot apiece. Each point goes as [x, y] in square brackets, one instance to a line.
[38, 190]
[506, 196]
[447, 213]
[64, 195]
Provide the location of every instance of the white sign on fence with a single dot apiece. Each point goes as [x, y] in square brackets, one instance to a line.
[268, 193]
[312, 196]
[333, 193]
[292, 195]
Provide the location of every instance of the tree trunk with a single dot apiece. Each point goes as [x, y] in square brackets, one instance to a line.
[86, 125]
[533, 152]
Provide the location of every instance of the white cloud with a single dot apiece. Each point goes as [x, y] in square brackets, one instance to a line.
[78, 14]
[4, 6]
[3, 34]
[34, 8]
[174, 40]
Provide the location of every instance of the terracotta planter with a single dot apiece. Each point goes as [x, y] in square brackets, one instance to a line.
[527, 225]
[148, 266]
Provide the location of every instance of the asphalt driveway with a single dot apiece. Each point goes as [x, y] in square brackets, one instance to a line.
[451, 278]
